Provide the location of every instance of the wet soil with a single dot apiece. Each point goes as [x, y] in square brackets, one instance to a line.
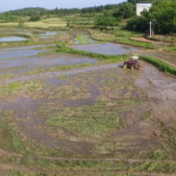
[161, 90]
[4, 54]
[106, 48]
[137, 133]
[60, 73]
[26, 64]
[152, 96]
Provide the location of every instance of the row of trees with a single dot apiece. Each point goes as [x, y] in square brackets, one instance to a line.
[113, 17]
[109, 13]
[163, 11]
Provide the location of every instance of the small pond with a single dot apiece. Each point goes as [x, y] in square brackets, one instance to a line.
[12, 39]
[5, 54]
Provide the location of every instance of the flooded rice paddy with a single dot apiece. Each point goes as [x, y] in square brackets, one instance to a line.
[100, 113]
[11, 39]
[106, 48]
[26, 64]
[5, 54]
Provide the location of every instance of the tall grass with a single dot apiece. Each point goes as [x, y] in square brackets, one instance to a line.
[161, 65]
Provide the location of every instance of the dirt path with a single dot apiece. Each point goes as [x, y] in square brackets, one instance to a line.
[142, 39]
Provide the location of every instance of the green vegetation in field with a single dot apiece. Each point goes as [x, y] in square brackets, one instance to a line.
[161, 65]
[85, 38]
[10, 139]
[93, 120]
[80, 39]
[18, 85]
[148, 166]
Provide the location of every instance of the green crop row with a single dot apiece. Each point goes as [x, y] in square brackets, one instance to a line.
[161, 65]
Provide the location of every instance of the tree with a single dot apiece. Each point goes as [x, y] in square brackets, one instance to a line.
[163, 11]
[126, 10]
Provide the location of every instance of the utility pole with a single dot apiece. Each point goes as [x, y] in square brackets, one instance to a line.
[150, 28]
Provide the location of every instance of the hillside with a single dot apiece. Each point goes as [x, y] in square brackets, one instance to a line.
[28, 11]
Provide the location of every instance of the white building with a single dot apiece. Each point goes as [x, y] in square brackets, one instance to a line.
[140, 7]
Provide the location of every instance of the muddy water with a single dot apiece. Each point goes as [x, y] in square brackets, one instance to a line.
[59, 73]
[4, 54]
[129, 137]
[11, 39]
[161, 90]
[25, 48]
[21, 48]
[15, 66]
[29, 124]
[106, 48]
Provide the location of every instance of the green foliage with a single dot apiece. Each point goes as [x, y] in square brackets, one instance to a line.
[148, 166]
[18, 85]
[107, 21]
[85, 38]
[21, 23]
[158, 154]
[27, 11]
[126, 10]
[140, 1]
[99, 118]
[34, 18]
[172, 168]
[11, 88]
[31, 86]
[163, 11]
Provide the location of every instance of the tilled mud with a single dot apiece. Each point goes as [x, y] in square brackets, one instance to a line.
[144, 99]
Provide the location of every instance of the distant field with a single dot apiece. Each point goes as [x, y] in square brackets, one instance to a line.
[53, 20]
[36, 24]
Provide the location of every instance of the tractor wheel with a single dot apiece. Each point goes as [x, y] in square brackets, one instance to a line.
[124, 66]
[132, 67]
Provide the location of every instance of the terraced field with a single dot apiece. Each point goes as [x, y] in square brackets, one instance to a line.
[93, 120]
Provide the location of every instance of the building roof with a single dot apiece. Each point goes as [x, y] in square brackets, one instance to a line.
[144, 4]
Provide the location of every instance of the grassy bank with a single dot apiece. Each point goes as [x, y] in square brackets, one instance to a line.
[116, 38]
[161, 65]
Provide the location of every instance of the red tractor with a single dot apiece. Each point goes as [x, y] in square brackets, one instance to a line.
[133, 64]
